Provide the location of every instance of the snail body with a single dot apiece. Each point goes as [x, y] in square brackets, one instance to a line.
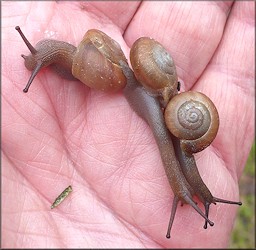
[94, 62]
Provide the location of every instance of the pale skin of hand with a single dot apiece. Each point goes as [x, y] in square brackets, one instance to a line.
[62, 133]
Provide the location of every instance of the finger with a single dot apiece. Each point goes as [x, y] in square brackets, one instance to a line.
[191, 31]
[107, 12]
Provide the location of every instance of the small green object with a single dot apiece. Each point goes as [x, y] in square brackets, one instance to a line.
[61, 197]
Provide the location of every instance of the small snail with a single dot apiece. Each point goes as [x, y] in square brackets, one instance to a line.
[149, 109]
[202, 115]
[193, 118]
[94, 62]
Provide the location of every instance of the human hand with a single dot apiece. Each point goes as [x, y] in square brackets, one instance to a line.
[63, 133]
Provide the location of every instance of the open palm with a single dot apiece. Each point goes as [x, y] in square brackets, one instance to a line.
[62, 133]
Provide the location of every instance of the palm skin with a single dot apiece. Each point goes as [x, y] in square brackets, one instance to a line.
[63, 133]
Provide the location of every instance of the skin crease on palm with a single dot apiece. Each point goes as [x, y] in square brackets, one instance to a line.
[62, 133]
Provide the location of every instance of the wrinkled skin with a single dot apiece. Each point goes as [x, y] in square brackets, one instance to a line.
[62, 133]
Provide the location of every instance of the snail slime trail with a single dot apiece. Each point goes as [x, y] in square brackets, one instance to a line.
[152, 86]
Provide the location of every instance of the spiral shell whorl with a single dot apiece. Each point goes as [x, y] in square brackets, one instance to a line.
[193, 118]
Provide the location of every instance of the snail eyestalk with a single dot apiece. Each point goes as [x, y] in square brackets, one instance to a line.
[33, 75]
[29, 45]
[214, 200]
[174, 208]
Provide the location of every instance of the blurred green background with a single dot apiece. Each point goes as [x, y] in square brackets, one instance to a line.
[243, 235]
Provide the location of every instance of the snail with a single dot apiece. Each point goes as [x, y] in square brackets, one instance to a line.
[193, 118]
[94, 62]
[99, 62]
[148, 108]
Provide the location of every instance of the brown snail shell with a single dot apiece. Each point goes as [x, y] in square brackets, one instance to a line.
[96, 62]
[154, 68]
[193, 118]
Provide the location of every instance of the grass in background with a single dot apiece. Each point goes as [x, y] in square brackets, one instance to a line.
[243, 235]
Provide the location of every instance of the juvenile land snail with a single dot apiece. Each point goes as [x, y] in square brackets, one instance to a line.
[148, 108]
[193, 118]
[152, 113]
[196, 107]
[94, 62]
